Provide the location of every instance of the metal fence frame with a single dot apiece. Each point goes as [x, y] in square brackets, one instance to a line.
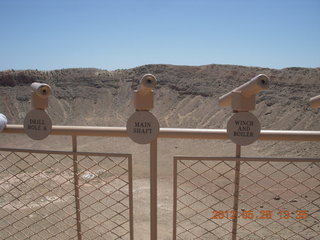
[185, 133]
[77, 198]
[236, 192]
[177, 133]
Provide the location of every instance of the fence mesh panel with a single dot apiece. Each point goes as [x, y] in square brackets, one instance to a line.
[104, 198]
[277, 200]
[37, 195]
[284, 198]
[202, 187]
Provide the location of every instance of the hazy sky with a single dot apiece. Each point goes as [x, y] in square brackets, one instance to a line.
[54, 34]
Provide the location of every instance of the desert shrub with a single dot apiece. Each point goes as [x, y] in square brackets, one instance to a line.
[23, 78]
[7, 79]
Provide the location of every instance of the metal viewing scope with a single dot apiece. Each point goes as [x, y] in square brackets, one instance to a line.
[40, 95]
[148, 82]
[315, 102]
[243, 98]
[43, 90]
[143, 97]
[250, 88]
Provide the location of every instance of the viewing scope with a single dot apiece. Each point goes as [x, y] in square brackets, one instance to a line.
[148, 82]
[42, 90]
[315, 102]
[248, 89]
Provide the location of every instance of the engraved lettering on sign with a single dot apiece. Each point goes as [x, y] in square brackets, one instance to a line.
[243, 129]
[37, 124]
[142, 128]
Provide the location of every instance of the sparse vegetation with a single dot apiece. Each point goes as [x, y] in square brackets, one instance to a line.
[186, 96]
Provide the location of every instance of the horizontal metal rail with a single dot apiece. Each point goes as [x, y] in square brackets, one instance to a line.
[63, 152]
[248, 159]
[186, 133]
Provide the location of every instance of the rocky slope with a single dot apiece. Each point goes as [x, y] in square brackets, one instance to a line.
[186, 96]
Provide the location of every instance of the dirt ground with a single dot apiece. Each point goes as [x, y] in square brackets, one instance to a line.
[284, 228]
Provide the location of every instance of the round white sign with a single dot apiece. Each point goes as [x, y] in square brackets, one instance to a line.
[243, 128]
[143, 127]
[37, 124]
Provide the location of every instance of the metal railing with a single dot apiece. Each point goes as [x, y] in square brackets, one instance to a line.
[185, 133]
[92, 226]
[65, 195]
[278, 198]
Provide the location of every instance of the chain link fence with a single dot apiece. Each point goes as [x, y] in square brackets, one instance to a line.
[65, 195]
[278, 198]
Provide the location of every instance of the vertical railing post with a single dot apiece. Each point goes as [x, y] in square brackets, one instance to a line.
[153, 189]
[236, 193]
[175, 172]
[243, 128]
[143, 128]
[130, 196]
[76, 186]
